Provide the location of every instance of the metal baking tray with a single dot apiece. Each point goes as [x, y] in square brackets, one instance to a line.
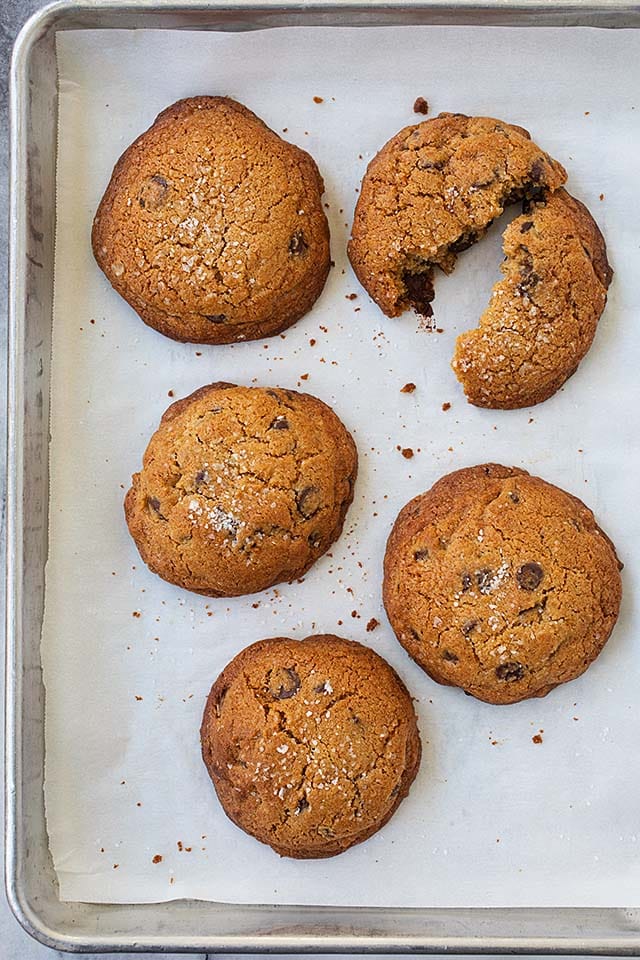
[194, 926]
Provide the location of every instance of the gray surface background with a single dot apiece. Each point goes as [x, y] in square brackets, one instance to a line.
[14, 943]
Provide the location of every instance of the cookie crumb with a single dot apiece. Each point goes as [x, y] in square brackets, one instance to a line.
[372, 624]
[170, 393]
[318, 99]
[446, 406]
[407, 453]
[304, 376]
[602, 196]
[137, 698]
[351, 296]
[312, 342]
[537, 738]
[408, 388]
[421, 106]
[157, 859]
[136, 614]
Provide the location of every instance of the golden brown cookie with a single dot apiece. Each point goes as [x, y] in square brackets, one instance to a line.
[543, 315]
[311, 744]
[212, 226]
[432, 191]
[241, 488]
[500, 583]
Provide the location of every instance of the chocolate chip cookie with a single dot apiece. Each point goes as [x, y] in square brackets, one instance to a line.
[212, 226]
[241, 488]
[500, 583]
[543, 315]
[311, 744]
[431, 192]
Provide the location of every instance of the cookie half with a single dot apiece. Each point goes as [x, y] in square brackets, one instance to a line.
[311, 744]
[543, 315]
[241, 488]
[500, 583]
[212, 226]
[431, 192]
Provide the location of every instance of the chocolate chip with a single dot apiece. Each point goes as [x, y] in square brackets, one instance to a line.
[424, 164]
[283, 683]
[537, 170]
[326, 832]
[415, 634]
[308, 502]
[217, 704]
[513, 495]
[529, 576]
[468, 626]
[314, 539]
[215, 317]
[298, 245]
[464, 242]
[449, 656]
[526, 226]
[484, 579]
[421, 554]
[467, 582]
[153, 192]
[202, 476]
[420, 292]
[280, 423]
[303, 804]
[154, 503]
[510, 671]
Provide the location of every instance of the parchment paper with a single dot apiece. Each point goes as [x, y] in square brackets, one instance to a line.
[493, 819]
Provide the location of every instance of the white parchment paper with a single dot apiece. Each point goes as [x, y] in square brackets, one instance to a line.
[493, 819]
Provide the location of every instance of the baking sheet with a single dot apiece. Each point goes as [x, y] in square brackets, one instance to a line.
[493, 819]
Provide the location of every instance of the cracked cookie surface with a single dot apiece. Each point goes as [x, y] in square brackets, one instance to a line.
[542, 317]
[212, 226]
[241, 488]
[311, 744]
[431, 192]
[500, 583]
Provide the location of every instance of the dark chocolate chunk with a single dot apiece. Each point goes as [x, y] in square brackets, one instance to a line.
[298, 245]
[217, 704]
[420, 292]
[449, 656]
[513, 495]
[308, 501]
[421, 554]
[283, 683]
[526, 226]
[202, 476]
[464, 242]
[153, 192]
[326, 832]
[537, 170]
[280, 423]
[468, 626]
[529, 576]
[467, 582]
[303, 804]
[510, 671]
[314, 540]
[215, 317]
[154, 503]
